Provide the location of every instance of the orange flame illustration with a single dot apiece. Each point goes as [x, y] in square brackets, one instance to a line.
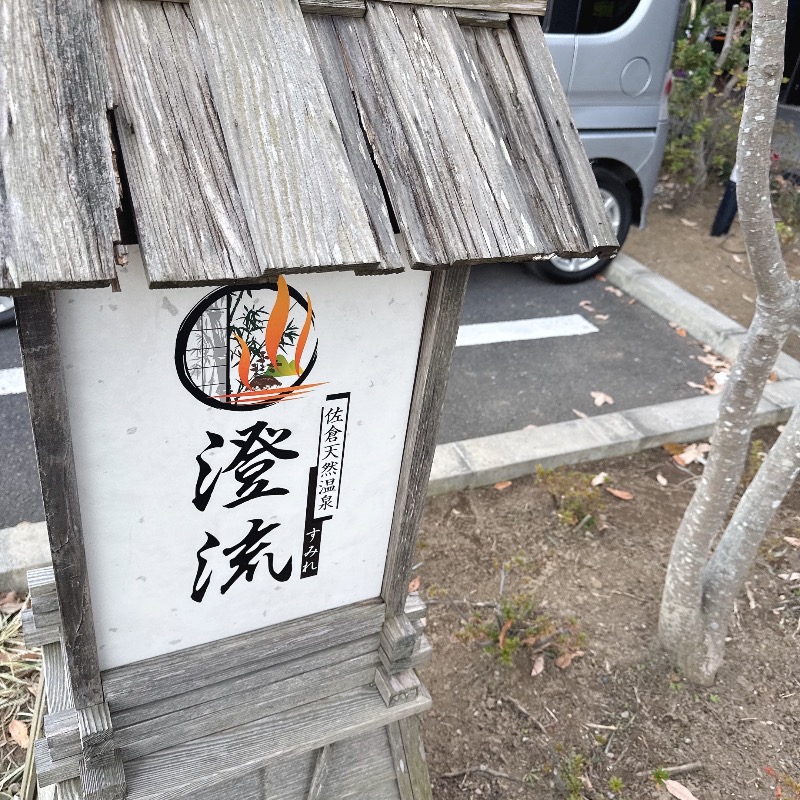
[276, 324]
[244, 362]
[303, 338]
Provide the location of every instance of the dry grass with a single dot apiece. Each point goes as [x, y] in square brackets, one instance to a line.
[19, 679]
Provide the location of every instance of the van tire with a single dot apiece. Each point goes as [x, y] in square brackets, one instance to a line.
[617, 200]
[7, 316]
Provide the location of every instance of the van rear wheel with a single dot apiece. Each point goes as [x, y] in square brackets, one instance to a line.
[617, 203]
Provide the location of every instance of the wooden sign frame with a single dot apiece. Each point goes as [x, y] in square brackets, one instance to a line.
[349, 670]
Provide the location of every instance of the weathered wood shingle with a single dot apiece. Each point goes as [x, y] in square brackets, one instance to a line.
[301, 199]
[436, 140]
[190, 217]
[257, 141]
[575, 171]
[58, 192]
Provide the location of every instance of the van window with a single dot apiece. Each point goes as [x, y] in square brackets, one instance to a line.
[600, 16]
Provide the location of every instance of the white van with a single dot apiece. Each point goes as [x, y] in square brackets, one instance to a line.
[613, 59]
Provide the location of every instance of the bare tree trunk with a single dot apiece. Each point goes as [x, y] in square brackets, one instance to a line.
[698, 593]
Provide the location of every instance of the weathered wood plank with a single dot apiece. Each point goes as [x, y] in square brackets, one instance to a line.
[259, 683]
[35, 636]
[103, 777]
[41, 581]
[534, 7]
[551, 101]
[233, 711]
[326, 44]
[415, 607]
[537, 164]
[58, 193]
[301, 199]
[62, 733]
[56, 680]
[38, 333]
[345, 8]
[435, 138]
[415, 758]
[178, 771]
[194, 667]
[360, 768]
[69, 790]
[439, 331]
[398, 638]
[400, 763]
[101, 773]
[48, 771]
[321, 770]
[189, 215]
[397, 688]
[482, 19]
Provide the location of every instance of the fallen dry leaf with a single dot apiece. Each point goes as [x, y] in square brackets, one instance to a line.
[414, 585]
[680, 331]
[538, 666]
[586, 305]
[18, 731]
[601, 278]
[702, 387]
[673, 448]
[688, 223]
[579, 414]
[502, 485]
[694, 452]
[614, 290]
[714, 362]
[678, 790]
[503, 631]
[750, 598]
[602, 399]
[793, 541]
[599, 478]
[789, 576]
[661, 479]
[620, 493]
[12, 608]
[565, 659]
[601, 317]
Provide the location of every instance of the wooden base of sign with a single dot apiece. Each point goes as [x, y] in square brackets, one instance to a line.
[315, 708]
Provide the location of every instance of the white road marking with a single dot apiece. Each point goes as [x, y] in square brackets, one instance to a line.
[12, 381]
[520, 330]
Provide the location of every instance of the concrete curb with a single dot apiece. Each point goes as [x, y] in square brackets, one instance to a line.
[505, 456]
[22, 547]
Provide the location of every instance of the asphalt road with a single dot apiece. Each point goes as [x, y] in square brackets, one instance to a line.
[606, 344]
[20, 498]
[633, 356]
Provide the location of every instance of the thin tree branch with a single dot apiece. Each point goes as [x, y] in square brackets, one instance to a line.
[726, 47]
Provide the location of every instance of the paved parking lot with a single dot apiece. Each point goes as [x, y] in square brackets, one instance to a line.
[550, 346]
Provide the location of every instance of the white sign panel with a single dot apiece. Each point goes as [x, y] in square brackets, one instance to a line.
[237, 449]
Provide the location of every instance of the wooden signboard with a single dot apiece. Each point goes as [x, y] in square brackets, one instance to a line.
[235, 420]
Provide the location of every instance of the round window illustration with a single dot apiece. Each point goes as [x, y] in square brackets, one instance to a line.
[247, 347]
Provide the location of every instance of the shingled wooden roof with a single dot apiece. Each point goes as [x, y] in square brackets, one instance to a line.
[254, 137]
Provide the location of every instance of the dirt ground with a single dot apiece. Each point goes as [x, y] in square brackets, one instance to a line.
[601, 726]
[715, 269]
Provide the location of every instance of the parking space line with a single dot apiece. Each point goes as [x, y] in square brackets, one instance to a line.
[12, 381]
[519, 330]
